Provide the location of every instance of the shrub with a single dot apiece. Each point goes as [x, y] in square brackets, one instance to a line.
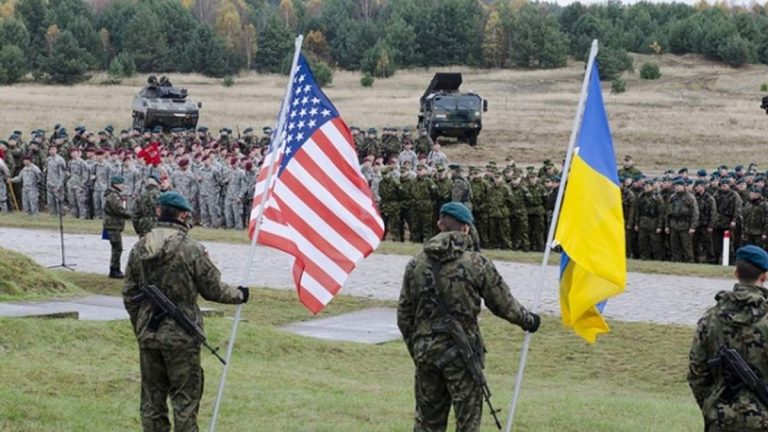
[650, 71]
[618, 86]
[367, 80]
[13, 65]
[323, 73]
[228, 81]
[764, 87]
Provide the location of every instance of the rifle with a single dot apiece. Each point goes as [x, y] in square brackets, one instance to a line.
[738, 373]
[13, 195]
[461, 344]
[162, 306]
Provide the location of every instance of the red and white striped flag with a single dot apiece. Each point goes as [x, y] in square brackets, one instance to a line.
[318, 204]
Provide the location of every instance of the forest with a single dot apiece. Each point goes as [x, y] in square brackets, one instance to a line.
[62, 41]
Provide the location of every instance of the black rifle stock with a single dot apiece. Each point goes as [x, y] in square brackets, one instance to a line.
[461, 345]
[162, 306]
[731, 360]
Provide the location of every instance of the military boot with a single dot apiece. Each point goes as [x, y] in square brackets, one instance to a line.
[115, 273]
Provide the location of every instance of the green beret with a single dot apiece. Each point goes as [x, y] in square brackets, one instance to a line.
[701, 182]
[679, 182]
[174, 199]
[117, 179]
[454, 166]
[754, 255]
[458, 211]
[702, 172]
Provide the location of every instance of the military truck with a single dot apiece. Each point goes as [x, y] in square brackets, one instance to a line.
[447, 112]
[159, 103]
[765, 104]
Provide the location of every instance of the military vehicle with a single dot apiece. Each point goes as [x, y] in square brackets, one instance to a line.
[447, 112]
[159, 103]
[765, 104]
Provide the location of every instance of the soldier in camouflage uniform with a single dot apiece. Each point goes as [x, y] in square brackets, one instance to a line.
[210, 187]
[115, 215]
[518, 214]
[479, 187]
[444, 183]
[169, 356]
[233, 196]
[30, 177]
[460, 189]
[389, 204]
[739, 321]
[465, 278]
[422, 192]
[537, 198]
[133, 182]
[78, 176]
[144, 213]
[755, 218]
[423, 143]
[497, 199]
[55, 174]
[5, 174]
[682, 218]
[184, 182]
[703, 245]
[100, 174]
[728, 213]
[629, 207]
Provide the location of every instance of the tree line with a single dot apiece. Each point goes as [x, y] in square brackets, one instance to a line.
[61, 40]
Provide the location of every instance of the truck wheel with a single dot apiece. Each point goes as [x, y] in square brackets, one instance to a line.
[472, 139]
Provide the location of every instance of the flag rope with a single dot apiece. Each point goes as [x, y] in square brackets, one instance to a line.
[260, 214]
[550, 236]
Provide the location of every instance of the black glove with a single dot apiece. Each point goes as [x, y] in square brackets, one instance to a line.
[246, 293]
[532, 323]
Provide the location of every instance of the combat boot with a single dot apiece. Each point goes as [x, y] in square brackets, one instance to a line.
[115, 273]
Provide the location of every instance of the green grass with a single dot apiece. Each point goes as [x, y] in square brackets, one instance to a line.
[83, 226]
[65, 375]
[23, 279]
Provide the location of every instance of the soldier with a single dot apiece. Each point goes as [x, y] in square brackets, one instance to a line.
[422, 192]
[460, 189]
[406, 200]
[5, 174]
[407, 155]
[169, 356]
[479, 187]
[755, 229]
[629, 207]
[629, 169]
[650, 223]
[444, 184]
[423, 143]
[76, 184]
[537, 199]
[30, 177]
[233, 196]
[115, 215]
[518, 213]
[497, 199]
[184, 182]
[728, 213]
[682, 218]
[100, 175]
[437, 157]
[55, 174]
[132, 184]
[737, 321]
[144, 215]
[449, 273]
[703, 246]
[391, 145]
[371, 145]
[210, 188]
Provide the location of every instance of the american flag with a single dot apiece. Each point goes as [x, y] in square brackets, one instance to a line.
[318, 206]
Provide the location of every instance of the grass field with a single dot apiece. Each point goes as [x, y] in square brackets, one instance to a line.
[699, 114]
[631, 380]
[84, 226]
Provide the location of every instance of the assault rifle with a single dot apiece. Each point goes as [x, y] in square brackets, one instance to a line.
[738, 373]
[461, 345]
[162, 306]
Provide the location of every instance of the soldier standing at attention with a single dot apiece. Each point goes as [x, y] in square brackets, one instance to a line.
[115, 214]
[76, 184]
[682, 220]
[738, 321]
[30, 177]
[170, 357]
[650, 223]
[755, 230]
[55, 174]
[144, 213]
[728, 213]
[702, 239]
[449, 272]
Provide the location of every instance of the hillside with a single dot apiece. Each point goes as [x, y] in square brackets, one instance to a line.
[22, 278]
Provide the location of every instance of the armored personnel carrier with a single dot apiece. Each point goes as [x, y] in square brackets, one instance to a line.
[159, 103]
[445, 111]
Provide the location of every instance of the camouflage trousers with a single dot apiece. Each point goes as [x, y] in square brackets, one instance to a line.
[436, 389]
[420, 224]
[98, 204]
[518, 223]
[536, 232]
[3, 196]
[209, 211]
[29, 200]
[681, 245]
[650, 244]
[233, 214]
[500, 234]
[481, 223]
[116, 242]
[55, 197]
[175, 373]
[78, 202]
[703, 247]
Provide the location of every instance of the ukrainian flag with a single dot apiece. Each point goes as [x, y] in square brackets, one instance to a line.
[590, 228]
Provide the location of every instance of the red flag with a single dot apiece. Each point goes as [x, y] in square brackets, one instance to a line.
[318, 205]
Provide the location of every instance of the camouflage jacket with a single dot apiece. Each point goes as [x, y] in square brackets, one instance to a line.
[629, 207]
[144, 211]
[756, 217]
[728, 208]
[536, 200]
[461, 191]
[114, 210]
[467, 280]
[650, 211]
[707, 210]
[518, 196]
[682, 211]
[479, 188]
[498, 196]
[739, 321]
[181, 269]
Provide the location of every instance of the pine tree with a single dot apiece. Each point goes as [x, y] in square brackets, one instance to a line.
[67, 63]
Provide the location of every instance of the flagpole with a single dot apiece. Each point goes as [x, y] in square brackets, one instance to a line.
[550, 236]
[260, 215]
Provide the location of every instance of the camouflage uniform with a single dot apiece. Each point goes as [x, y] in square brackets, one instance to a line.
[132, 184]
[682, 215]
[650, 223]
[537, 198]
[461, 190]
[76, 184]
[703, 245]
[518, 216]
[101, 172]
[389, 205]
[145, 210]
[210, 186]
[170, 357]
[233, 198]
[728, 213]
[115, 215]
[30, 176]
[422, 190]
[500, 235]
[467, 278]
[55, 174]
[184, 182]
[755, 222]
[479, 189]
[5, 174]
[629, 207]
[739, 320]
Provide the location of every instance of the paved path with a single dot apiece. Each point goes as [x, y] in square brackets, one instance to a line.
[648, 298]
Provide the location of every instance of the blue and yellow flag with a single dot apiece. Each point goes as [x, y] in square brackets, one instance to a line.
[591, 224]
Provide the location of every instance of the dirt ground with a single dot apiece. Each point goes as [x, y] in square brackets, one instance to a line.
[699, 114]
